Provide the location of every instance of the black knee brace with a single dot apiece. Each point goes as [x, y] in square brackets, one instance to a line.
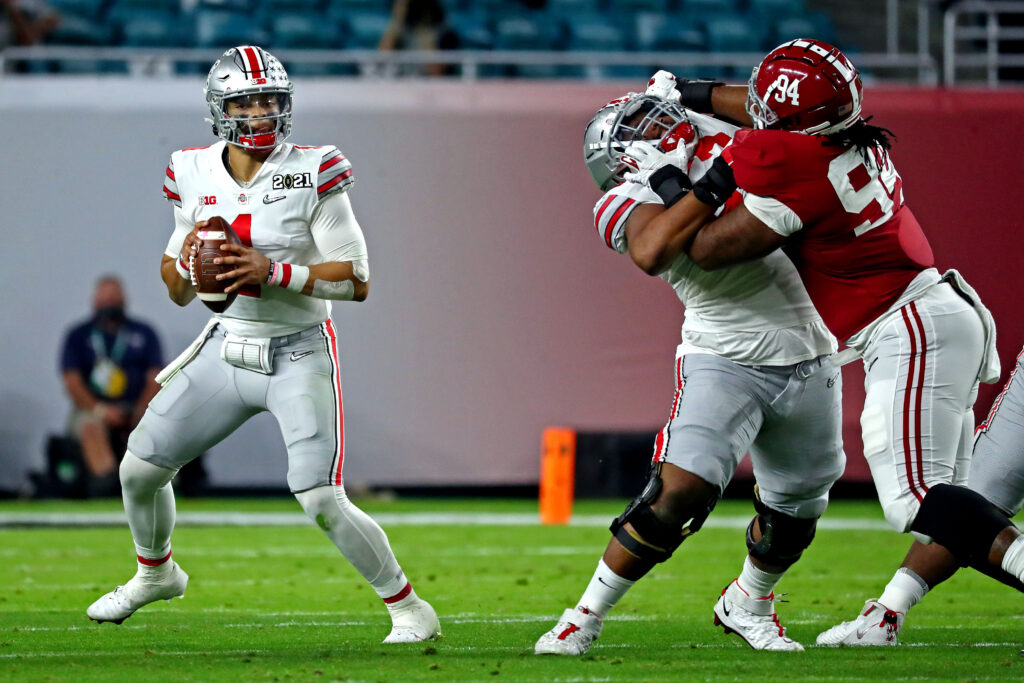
[783, 538]
[964, 521]
[652, 538]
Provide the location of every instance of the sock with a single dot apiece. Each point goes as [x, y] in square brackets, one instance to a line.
[401, 599]
[904, 590]
[1013, 558]
[757, 583]
[360, 540]
[149, 506]
[604, 590]
[154, 569]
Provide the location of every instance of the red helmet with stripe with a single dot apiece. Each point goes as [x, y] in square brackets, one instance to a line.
[805, 86]
[252, 73]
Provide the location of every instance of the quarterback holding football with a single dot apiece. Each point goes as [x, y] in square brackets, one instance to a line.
[271, 345]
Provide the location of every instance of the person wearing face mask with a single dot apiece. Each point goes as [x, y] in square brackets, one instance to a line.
[109, 363]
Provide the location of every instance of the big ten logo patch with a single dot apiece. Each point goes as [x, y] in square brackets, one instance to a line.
[207, 200]
[287, 181]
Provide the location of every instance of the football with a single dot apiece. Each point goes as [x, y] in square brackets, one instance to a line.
[205, 271]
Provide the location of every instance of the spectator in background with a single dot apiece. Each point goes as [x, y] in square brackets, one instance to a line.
[109, 363]
[25, 22]
[419, 25]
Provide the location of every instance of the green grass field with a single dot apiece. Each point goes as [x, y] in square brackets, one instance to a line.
[278, 603]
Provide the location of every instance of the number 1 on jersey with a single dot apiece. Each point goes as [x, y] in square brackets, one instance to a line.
[243, 228]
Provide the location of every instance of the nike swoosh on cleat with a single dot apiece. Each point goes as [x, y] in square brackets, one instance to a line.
[296, 356]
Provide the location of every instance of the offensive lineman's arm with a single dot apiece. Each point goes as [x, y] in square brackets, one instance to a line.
[344, 275]
[656, 235]
[735, 237]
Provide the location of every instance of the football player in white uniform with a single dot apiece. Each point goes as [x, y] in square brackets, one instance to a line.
[753, 374]
[273, 349]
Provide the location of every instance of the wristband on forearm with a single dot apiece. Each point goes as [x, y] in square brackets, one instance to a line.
[696, 95]
[717, 185]
[181, 265]
[670, 183]
[287, 276]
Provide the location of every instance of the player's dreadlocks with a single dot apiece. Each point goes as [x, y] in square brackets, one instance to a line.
[863, 136]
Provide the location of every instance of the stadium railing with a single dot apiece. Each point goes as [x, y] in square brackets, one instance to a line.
[470, 65]
[986, 38]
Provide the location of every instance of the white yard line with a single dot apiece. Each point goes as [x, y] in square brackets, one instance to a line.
[386, 519]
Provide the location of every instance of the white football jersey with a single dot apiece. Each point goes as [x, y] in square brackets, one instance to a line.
[754, 313]
[271, 213]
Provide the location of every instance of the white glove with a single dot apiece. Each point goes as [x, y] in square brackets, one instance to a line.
[646, 157]
[663, 85]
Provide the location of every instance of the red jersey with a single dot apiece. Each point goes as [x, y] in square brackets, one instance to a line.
[856, 244]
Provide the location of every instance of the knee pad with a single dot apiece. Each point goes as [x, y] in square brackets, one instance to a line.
[139, 476]
[652, 538]
[321, 504]
[963, 521]
[783, 538]
[900, 513]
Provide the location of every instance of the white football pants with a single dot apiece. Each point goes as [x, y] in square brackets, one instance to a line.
[921, 380]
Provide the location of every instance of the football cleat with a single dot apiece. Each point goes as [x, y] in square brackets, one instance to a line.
[752, 619]
[574, 633]
[121, 603]
[413, 623]
[876, 625]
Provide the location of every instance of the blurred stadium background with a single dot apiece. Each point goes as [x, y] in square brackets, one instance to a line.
[495, 311]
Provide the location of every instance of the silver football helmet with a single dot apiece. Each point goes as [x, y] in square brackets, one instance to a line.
[634, 116]
[244, 72]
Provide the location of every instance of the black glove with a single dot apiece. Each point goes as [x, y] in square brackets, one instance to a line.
[670, 183]
[717, 185]
[696, 94]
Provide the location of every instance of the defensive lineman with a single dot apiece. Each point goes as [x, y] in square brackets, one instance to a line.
[817, 180]
[753, 373]
[274, 349]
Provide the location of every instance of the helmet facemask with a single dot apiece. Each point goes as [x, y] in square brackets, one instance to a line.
[758, 110]
[245, 130]
[659, 116]
[634, 117]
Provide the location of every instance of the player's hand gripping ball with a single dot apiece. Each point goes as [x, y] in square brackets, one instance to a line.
[203, 269]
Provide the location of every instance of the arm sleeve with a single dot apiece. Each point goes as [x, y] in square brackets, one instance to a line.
[612, 211]
[334, 174]
[182, 227]
[773, 213]
[171, 192]
[336, 231]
